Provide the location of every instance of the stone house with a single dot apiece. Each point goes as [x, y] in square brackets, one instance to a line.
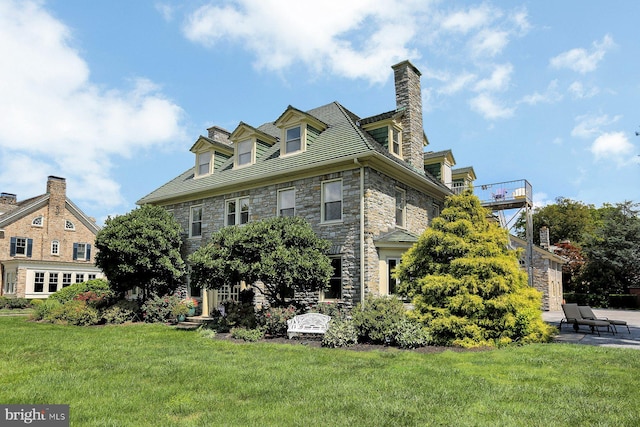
[359, 181]
[547, 271]
[46, 243]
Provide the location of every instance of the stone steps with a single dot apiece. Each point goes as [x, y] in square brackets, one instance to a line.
[194, 322]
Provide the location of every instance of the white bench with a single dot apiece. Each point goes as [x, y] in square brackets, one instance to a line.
[309, 323]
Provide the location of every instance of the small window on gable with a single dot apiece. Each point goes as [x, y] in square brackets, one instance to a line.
[387, 131]
[245, 152]
[395, 142]
[55, 247]
[293, 140]
[37, 221]
[204, 163]
[68, 225]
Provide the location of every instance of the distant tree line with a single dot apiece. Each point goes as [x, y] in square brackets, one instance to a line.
[602, 245]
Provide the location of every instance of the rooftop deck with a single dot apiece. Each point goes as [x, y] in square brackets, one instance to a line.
[503, 195]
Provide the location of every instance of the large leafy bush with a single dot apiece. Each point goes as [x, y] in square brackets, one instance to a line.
[376, 322]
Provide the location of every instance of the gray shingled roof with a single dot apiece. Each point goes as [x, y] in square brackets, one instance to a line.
[343, 139]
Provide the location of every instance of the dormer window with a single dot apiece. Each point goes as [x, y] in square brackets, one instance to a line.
[298, 130]
[204, 163]
[245, 152]
[386, 128]
[293, 141]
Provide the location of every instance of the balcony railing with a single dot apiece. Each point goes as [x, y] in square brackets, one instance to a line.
[501, 195]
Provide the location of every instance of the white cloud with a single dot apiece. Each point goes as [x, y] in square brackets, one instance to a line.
[549, 96]
[589, 125]
[54, 120]
[488, 43]
[613, 146]
[582, 60]
[499, 80]
[457, 83]
[273, 31]
[469, 20]
[490, 108]
[578, 91]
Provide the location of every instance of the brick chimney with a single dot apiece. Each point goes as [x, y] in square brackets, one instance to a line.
[219, 134]
[57, 191]
[544, 238]
[409, 99]
[8, 199]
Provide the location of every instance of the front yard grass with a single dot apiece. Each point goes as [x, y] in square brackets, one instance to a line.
[154, 375]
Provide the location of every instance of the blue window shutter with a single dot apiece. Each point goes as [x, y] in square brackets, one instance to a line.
[13, 247]
[29, 247]
[75, 251]
[88, 252]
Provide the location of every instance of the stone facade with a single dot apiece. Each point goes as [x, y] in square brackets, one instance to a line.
[46, 219]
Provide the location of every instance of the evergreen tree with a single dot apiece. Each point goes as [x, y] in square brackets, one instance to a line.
[466, 285]
[141, 248]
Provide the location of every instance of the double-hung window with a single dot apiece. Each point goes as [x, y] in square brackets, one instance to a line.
[66, 279]
[401, 207]
[21, 246]
[82, 251]
[237, 211]
[79, 277]
[195, 227]
[395, 141]
[38, 282]
[287, 202]
[293, 141]
[55, 247]
[204, 163]
[332, 201]
[53, 282]
[245, 152]
[334, 290]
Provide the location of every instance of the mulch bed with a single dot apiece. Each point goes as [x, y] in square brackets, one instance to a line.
[311, 341]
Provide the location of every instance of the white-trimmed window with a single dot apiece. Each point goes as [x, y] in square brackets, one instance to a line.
[204, 163]
[237, 211]
[91, 276]
[38, 282]
[334, 290]
[287, 202]
[293, 141]
[82, 251]
[68, 225]
[10, 282]
[38, 221]
[21, 247]
[195, 221]
[79, 277]
[53, 282]
[245, 152]
[396, 146]
[401, 207]
[229, 293]
[55, 247]
[332, 201]
[66, 279]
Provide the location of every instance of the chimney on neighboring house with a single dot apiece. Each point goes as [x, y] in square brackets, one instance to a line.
[8, 199]
[219, 134]
[409, 99]
[544, 238]
[57, 190]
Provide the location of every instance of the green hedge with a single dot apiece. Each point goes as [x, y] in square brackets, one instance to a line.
[603, 301]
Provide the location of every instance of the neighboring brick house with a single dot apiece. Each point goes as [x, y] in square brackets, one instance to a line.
[46, 243]
[360, 183]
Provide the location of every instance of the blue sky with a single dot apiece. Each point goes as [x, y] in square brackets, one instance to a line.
[111, 94]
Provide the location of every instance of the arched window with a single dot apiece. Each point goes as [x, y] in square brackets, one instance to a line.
[37, 221]
[68, 225]
[55, 247]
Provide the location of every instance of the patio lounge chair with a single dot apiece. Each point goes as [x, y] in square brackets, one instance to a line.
[572, 315]
[587, 313]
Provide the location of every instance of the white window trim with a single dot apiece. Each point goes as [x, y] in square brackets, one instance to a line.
[236, 160]
[303, 140]
[391, 129]
[198, 157]
[69, 226]
[279, 203]
[55, 244]
[238, 210]
[37, 219]
[323, 220]
[191, 236]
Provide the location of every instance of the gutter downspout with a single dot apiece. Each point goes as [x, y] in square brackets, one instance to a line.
[362, 255]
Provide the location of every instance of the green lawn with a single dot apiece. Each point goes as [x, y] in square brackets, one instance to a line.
[153, 375]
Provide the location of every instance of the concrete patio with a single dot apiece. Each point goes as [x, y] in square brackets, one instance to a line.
[622, 339]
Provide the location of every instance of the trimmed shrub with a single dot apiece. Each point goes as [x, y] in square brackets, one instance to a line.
[44, 308]
[99, 286]
[207, 333]
[159, 309]
[274, 320]
[121, 312]
[410, 334]
[75, 313]
[14, 303]
[251, 335]
[241, 314]
[379, 318]
[341, 333]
